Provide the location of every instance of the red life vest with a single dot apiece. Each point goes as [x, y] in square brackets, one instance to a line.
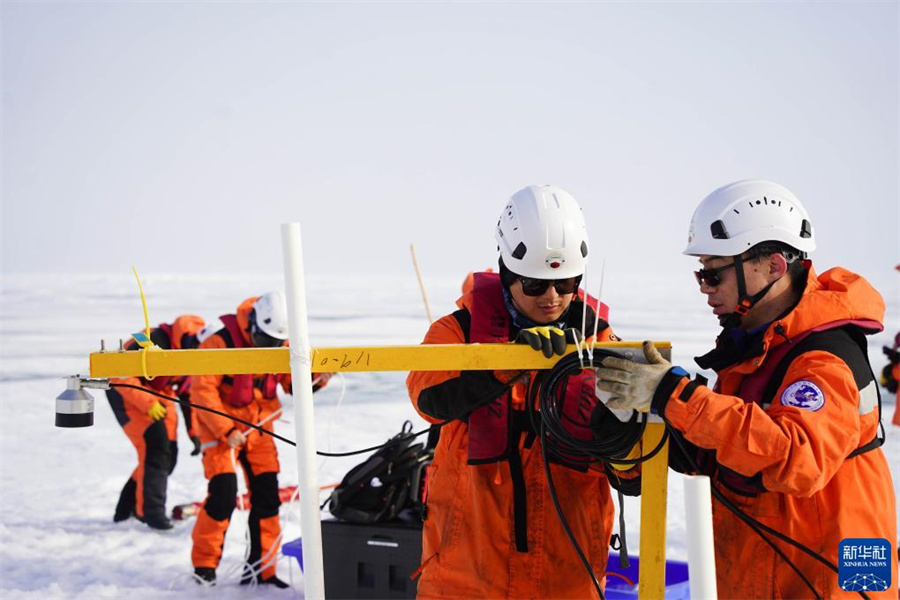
[242, 385]
[491, 427]
[754, 385]
[159, 383]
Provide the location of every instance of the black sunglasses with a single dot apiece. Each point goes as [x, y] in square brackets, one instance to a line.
[711, 276]
[261, 339]
[537, 287]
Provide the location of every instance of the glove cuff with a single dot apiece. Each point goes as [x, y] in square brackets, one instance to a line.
[665, 388]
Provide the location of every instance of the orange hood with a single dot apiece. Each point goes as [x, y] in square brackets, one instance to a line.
[835, 295]
[243, 318]
[185, 325]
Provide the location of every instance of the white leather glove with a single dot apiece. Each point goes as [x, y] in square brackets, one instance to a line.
[632, 384]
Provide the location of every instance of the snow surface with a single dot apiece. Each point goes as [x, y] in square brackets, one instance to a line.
[58, 487]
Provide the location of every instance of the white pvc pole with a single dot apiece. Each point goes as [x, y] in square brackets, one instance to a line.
[301, 374]
[701, 552]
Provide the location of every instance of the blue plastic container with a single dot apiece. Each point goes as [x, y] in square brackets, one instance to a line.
[295, 549]
[621, 584]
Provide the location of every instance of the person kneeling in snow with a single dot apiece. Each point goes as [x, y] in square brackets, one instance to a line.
[260, 322]
[151, 425]
[790, 432]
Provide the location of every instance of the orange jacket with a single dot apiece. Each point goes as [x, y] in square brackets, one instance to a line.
[214, 391]
[813, 493]
[469, 548]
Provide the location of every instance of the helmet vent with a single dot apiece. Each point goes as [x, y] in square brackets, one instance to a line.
[718, 230]
[736, 211]
[805, 229]
[765, 201]
[583, 249]
[520, 250]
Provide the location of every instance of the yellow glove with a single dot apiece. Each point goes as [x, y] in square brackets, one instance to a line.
[549, 340]
[157, 412]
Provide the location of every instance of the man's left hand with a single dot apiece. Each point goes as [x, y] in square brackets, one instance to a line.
[632, 384]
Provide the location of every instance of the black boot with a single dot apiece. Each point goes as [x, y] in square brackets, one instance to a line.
[248, 577]
[160, 522]
[205, 574]
[274, 581]
[125, 507]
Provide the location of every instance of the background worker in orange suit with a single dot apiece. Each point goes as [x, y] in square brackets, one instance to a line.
[260, 322]
[151, 425]
[491, 530]
[790, 434]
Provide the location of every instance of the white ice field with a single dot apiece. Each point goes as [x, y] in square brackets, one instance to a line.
[58, 487]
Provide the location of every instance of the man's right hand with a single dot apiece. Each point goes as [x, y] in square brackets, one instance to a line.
[549, 340]
[235, 439]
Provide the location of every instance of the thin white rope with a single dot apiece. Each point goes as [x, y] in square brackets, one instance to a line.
[584, 309]
[597, 316]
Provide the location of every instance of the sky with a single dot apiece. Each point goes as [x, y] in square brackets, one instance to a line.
[178, 136]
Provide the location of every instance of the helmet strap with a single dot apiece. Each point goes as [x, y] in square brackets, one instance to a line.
[745, 301]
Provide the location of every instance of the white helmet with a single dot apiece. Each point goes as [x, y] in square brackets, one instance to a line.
[271, 315]
[736, 217]
[541, 234]
[208, 329]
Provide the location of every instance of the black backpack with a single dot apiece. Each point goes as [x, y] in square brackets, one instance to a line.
[388, 482]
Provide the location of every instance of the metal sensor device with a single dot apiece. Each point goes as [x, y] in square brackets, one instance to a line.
[75, 406]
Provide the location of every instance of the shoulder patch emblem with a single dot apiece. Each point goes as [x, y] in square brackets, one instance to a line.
[803, 394]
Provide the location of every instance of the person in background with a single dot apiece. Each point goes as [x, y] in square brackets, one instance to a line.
[890, 374]
[491, 530]
[259, 322]
[151, 425]
[790, 432]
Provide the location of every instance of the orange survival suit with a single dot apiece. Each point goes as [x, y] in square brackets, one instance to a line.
[144, 493]
[803, 460]
[491, 530]
[252, 398]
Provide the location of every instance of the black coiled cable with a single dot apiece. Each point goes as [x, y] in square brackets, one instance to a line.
[559, 443]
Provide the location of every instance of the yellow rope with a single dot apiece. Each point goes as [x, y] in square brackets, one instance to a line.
[148, 344]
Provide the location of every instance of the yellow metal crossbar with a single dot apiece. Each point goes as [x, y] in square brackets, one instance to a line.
[236, 361]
